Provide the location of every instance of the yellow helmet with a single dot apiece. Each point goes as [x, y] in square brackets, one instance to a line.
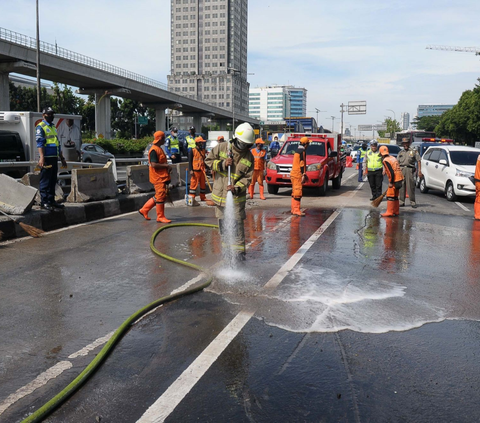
[304, 140]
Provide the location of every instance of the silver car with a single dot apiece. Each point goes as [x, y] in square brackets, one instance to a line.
[93, 153]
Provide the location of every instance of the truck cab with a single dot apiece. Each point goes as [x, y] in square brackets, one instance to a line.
[323, 163]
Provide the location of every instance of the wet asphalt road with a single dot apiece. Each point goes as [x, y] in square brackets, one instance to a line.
[377, 322]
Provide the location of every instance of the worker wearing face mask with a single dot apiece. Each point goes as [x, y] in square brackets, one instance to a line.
[196, 160]
[233, 157]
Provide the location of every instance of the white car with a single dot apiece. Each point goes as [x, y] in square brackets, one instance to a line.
[449, 168]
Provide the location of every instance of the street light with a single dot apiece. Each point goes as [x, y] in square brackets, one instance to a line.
[235, 71]
[333, 122]
[317, 111]
[394, 116]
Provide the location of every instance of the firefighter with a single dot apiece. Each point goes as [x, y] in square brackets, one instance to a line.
[159, 173]
[260, 166]
[298, 175]
[196, 162]
[373, 168]
[173, 146]
[476, 206]
[395, 181]
[237, 156]
[190, 139]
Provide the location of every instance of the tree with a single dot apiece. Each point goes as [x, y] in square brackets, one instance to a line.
[427, 123]
[392, 127]
[124, 112]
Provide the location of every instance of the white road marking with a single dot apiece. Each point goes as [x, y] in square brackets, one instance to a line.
[462, 206]
[92, 346]
[38, 382]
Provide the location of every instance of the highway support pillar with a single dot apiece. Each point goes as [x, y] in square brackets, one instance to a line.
[103, 115]
[4, 92]
[160, 124]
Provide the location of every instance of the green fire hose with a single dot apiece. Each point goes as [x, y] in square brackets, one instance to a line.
[66, 393]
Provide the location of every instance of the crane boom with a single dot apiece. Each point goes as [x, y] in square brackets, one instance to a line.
[455, 48]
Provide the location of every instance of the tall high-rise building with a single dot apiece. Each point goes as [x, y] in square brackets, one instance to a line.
[405, 120]
[274, 103]
[209, 52]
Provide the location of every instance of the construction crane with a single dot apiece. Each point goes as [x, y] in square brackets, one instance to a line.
[449, 48]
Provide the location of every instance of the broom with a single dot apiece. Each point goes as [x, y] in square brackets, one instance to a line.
[378, 200]
[209, 202]
[32, 231]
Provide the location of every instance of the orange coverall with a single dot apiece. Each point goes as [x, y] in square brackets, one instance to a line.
[258, 170]
[159, 177]
[198, 174]
[476, 206]
[298, 170]
[395, 177]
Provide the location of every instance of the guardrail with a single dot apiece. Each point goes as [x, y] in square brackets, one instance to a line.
[53, 49]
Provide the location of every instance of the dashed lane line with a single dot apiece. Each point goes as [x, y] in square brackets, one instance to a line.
[462, 206]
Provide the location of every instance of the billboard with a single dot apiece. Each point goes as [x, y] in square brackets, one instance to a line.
[357, 107]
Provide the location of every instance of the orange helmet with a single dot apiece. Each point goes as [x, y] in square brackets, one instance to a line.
[220, 137]
[383, 150]
[304, 140]
[259, 141]
[158, 136]
[199, 139]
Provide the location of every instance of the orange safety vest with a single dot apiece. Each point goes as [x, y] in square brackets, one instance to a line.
[158, 175]
[299, 159]
[198, 161]
[259, 157]
[477, 170]
[398, 175]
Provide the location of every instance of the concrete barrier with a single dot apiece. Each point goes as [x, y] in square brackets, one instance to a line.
[15, 198]
[138, 179]
[92, 184]
[33, 180]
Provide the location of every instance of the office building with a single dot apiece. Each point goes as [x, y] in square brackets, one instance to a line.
[405, 121]
[432, 109]
[274, 103]
[209, 52]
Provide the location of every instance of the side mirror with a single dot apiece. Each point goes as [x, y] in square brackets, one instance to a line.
[333, 154]
[443, 162]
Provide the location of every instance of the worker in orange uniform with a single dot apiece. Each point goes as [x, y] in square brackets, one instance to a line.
[298, 175]
[476, 206]
[159, 174]
[196, 161]
[259, 168]
[395, 181]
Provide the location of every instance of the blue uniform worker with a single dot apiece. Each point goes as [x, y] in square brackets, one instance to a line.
[50, 150]
[361, 153]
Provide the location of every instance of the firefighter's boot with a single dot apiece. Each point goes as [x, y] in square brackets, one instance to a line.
[262, 192]
[161, 213]
[296, 208]
[390, 208]
[146, 208]
[251, 189]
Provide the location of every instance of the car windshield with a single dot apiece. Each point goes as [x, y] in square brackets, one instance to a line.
[464, 158]
[314, 149]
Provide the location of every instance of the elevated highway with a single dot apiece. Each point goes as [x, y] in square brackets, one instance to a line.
[91, 76]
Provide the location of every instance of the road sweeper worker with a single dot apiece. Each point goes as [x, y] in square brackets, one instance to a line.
[409, 160]
[235, 154]
[395, 180]
[196, 166]
[172, 144]
[159, 173]
[373, 168]
[298, 175]
[259, 168]
[191, 139]
[476, 206]
[49, 150]
[220, 139]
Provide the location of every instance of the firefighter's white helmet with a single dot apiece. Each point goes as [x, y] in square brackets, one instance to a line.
[244, 133]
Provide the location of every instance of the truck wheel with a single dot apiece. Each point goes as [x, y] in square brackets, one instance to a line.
[272, 189]
[323, 189]
[337, 182]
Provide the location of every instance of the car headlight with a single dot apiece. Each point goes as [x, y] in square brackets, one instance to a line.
[314, 167]
[271, 166]
[459, 172]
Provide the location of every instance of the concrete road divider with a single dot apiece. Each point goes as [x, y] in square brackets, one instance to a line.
[15, 198]
[92, 184]
[32, 179]
[138, 179]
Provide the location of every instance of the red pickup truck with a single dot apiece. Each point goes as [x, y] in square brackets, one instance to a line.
[324, 163]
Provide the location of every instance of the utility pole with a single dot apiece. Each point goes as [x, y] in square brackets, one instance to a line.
[342, 111]
[38, 63]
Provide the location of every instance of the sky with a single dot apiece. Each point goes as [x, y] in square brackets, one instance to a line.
[340, 51]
